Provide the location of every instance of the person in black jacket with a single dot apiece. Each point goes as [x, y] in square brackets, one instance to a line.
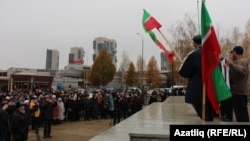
[47, 110]
[4, 117]
[10, 110]
[191, 68]
[87, 106]
[18, 124]
[117, 110]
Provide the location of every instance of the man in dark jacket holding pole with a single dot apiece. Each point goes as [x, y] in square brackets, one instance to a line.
[191, 68]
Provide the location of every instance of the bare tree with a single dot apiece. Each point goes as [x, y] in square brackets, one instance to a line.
[236, 36]
[125, 62]
[229, 41]
[139, 64]
[246, 40]
[183, 33]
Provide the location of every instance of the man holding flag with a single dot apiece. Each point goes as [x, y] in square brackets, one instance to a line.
[214, 84]
[191, 68]
[239, 73]
[214, 87]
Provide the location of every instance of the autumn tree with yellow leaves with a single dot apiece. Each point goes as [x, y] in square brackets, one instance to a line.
[103, 70]
[153, 76]
[132, 76]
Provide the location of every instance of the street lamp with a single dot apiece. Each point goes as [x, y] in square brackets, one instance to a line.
[142, 58]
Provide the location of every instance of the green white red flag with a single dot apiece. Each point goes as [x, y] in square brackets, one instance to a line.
[216, 87]
[149, 23]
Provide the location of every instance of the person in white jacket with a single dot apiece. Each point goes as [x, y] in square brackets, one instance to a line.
[226, 109]
[60, 104]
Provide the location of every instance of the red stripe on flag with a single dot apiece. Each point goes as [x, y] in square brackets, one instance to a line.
[210, 51]
[152, 23]
[169, 54]
[211, 94]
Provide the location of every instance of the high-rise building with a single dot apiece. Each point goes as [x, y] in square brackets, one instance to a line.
[52, 59]
[164, 62]
[76, 55]
[105, 43]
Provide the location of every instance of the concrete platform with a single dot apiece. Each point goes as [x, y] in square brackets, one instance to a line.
[153, 122]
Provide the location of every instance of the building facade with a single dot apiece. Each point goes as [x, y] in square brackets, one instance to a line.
[29, 82]
[52, 59]
[24, 79]
[76, 55]
[73, 76]
[110, 45]
[164, 62]
[4, 79]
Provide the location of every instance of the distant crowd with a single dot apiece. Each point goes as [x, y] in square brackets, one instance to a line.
[44, 108]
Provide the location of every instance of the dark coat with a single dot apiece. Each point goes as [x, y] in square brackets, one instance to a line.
[4, 117]
[87, 104]
[191, 68]
[47, 109]
[19, 126]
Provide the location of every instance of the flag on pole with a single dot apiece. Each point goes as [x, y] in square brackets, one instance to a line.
[149, 23]
[216, 87]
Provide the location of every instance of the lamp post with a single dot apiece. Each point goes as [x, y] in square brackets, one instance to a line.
[142, 42]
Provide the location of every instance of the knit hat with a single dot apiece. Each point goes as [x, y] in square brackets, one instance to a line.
[197, 39]
[238, 49]
[19, 103]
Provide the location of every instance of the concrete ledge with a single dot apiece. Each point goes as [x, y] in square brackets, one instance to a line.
[148, 137]
[173, 111]
[153, 120]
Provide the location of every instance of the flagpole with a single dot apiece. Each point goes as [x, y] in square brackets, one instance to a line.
[203, 116]
[198, 16]
[203, 102]
[172, 48]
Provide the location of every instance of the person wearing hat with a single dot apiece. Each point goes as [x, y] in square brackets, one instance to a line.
[47, 116]
[18, 123]
[239, 86]
[191, 69]
[34, 106]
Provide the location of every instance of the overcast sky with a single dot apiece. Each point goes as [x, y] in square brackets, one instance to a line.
[29, 27]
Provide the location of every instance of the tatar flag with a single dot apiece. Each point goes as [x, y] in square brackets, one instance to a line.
[149, 23]
[216, 87]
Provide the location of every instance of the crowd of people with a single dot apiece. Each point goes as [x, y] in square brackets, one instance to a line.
[21, 111]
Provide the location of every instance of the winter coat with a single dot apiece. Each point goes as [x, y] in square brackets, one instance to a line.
[191, 68]
[19, 126]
